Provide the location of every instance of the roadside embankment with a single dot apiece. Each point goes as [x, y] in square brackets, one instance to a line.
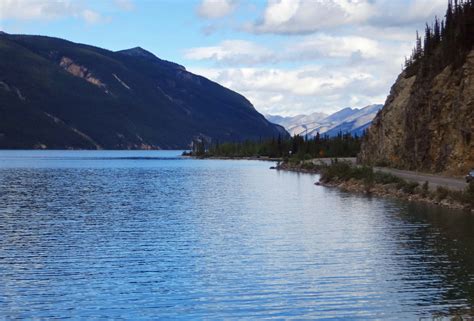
[362, 179]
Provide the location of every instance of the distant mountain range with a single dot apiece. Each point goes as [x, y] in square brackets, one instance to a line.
[58, 94]
[348, 120]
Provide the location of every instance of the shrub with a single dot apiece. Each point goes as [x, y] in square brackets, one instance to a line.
[441, 193]
[336, 171]
[368, 175]
[407, 187]
[294, 160]
[469, 194]
[425, 189]
[310, 166]
[386, 178]
[458, 196]
[410, 187]
[401, 184]
[344, 171]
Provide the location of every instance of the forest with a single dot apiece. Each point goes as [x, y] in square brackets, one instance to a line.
[435, 52]
[296, 147]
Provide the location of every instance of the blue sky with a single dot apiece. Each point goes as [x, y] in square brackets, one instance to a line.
[286, 56]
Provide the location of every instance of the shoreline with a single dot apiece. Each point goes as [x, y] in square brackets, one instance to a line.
[262, 158]
[381, 190]
[390, 191]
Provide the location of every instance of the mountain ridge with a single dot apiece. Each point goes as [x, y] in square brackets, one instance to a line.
[55, 93]
[347, 120]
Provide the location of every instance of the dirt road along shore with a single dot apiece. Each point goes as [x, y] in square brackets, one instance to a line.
[433, 180]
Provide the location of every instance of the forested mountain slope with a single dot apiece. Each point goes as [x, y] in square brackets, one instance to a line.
[59, 94]
[427, 122]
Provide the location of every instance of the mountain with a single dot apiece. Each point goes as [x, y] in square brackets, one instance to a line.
[356, 122]
[58, 94]
[346, 120]
[297, 124]
[427, 121]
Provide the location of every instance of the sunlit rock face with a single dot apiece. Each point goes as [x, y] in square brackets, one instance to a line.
[80, 71]
[426, 125]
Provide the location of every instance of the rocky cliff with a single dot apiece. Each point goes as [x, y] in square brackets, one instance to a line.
[427, 123]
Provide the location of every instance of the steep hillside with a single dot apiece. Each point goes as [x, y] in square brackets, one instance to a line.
[427, 122]
[426, 126]
[59, 94]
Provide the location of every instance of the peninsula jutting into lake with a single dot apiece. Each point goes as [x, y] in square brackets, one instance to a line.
[287, 159]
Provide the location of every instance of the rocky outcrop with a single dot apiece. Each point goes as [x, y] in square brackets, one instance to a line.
[80, 71]
[426, 124]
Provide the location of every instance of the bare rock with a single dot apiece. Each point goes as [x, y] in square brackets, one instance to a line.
[427, 124]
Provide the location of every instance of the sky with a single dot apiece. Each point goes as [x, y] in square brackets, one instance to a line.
[287, 57]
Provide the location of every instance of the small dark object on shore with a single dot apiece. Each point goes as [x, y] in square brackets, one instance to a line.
[273, 167]
[470, 176]
[317, 183]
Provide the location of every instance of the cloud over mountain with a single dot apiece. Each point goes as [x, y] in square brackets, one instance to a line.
[316, 54]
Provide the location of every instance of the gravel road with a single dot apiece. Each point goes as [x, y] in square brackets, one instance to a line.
[433, 180]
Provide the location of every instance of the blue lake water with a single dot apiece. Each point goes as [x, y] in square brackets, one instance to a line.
[148, 234]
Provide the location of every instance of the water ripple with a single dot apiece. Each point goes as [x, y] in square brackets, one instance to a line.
[137, 235]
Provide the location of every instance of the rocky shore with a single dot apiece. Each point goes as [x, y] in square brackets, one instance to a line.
[391, 191]
[399, 189]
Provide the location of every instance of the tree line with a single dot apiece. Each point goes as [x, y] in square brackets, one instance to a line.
[296, 147]
[445, 42]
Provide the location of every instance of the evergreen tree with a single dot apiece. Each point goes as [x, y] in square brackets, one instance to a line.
[445, 42]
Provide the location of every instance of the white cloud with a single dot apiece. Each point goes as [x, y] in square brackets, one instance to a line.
[310, 16]
[305, 89]
[323, 45]
[305, 16]
[232, 52]
[416, 11]
[47, 10]
[126, 5]
[386, 33]
[91, 16]
[335, 53]
[422, 9]
[213, 9]
[308, 48]
[332, 72]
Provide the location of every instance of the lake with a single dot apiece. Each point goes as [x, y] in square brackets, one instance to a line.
[148, 234]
